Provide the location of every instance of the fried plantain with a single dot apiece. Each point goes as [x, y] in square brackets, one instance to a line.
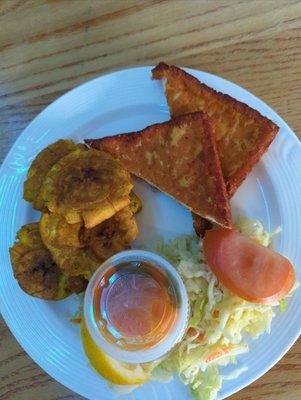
[95, 245]
[29, 236]
[72, 260]
[111, 236]
[105, 210]
[35, 270]
[86, 185]
[39, 168]
[77, 284]
[55, 231]
[135, 203]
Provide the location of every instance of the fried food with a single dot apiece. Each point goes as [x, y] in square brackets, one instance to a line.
[200, 225]
[79, 251]
[242, 134]
[76, 188]
[73, 261]
[39, 168]
[178, 157]
[104, 210]
[35, 270]
[135, 203]
[77, 284]
[111, 236]
[29, 236]
[97, 244]
[71, 256]
[87, 186]
[55, 231]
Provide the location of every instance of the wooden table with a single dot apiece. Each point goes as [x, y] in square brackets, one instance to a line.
[47, 48]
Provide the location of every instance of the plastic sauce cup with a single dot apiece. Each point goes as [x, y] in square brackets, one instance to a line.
[136, 306]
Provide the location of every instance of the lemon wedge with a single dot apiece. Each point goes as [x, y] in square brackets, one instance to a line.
[114, 371]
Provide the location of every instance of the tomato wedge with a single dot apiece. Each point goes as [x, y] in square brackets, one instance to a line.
[248, 269]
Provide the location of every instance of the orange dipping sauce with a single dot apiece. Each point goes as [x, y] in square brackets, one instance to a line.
[135, 305]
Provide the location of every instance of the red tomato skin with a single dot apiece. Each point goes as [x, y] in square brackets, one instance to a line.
[248, 269]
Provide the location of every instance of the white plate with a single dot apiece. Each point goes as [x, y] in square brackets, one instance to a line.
[128, 101]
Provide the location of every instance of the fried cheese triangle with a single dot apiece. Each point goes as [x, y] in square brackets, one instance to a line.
[180, 158]
[242, 134]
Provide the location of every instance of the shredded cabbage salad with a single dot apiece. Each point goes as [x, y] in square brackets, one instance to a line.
[219, 320]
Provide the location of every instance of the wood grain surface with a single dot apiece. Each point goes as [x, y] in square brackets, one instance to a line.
[49, 47]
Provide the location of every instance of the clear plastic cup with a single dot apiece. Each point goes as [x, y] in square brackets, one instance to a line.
[136, 306]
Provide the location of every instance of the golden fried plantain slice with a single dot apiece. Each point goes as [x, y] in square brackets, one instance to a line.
[29, 236]
[55, 231]
[77, 284]
[104, 211]
[86, 185]
[39, 168]
[35, 270]
[112, 236]
[135, 203]
[74, 261]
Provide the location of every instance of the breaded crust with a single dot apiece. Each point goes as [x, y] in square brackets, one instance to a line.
[180, 158]
[242, 133]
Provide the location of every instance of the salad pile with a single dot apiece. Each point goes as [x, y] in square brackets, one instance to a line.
[219, 321]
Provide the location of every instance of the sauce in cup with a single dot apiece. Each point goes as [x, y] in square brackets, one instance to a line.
[136, 306]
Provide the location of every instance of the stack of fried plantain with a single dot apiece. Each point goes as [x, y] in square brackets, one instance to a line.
[87, 216]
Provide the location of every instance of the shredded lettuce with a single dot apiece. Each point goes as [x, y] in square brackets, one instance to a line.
[219, 320]
[253, 228]
[283, 305]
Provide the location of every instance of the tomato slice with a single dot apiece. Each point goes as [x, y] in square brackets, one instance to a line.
[248, 269]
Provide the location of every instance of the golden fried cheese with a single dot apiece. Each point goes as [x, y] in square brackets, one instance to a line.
[179, 157]
[242, 133]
